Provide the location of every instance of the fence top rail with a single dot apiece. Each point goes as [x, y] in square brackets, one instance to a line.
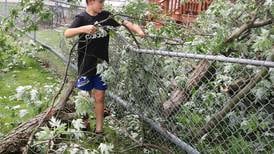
[67, 3]
[221, 58]
[207, 57]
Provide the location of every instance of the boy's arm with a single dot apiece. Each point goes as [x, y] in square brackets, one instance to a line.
[71, 32]
[134, 28]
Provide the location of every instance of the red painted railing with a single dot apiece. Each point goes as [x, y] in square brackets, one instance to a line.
[183, 12]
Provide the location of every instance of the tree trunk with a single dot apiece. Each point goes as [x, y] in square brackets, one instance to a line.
[204, 72]
[18, 138]
[235, 87]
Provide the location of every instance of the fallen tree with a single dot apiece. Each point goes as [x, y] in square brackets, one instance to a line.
[205, 70]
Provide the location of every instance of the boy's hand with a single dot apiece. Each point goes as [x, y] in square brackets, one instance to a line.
[88, 29]
[134, 27]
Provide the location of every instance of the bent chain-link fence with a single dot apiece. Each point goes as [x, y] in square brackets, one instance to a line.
[216, 106]
[184, 102]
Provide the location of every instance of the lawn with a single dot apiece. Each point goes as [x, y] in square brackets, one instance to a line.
[55, 39]
[32, 74]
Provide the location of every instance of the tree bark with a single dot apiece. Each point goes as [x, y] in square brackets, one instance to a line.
[235, 87]
[18, 138]
[203, 73]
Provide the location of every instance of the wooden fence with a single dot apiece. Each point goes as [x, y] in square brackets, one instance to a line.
[184, 12]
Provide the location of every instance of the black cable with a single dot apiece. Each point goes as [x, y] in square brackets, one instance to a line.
[134, 38]
[88, 42]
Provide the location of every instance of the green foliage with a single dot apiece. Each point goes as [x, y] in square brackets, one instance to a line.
[223, 18]
[237, 144]
[28, 14]
[147, 81]
[264, 41]
[139, 8]
[154, 76]
[83, 103]
[190, 119]
[7, 49]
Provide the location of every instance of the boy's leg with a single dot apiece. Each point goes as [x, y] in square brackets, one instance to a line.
[99, 96]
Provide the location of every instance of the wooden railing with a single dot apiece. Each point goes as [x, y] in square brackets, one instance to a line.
[183, 12]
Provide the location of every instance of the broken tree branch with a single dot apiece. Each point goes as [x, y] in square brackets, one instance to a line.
[217, 118]
[19, 137]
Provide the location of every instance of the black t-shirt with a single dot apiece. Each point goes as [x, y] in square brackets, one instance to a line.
[97, 48]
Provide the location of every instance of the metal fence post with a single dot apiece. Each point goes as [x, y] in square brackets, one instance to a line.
[6, 8]
[34, 32]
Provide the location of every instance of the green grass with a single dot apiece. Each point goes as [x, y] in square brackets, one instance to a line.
[50, 37]
[55, 64]
[31, 74]
[54, 38]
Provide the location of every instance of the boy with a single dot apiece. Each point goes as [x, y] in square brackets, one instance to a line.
[96, 51]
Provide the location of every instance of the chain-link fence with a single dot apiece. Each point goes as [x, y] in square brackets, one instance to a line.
[180, 102]
[5, 7]
[216, 104]
[63, 12]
